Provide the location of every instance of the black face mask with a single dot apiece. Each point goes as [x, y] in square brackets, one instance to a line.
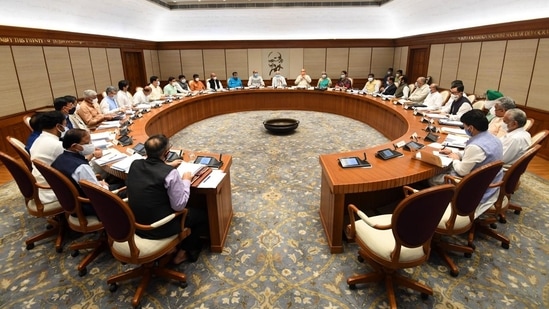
[72, 110]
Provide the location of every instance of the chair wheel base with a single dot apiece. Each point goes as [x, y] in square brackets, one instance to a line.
[59, 250]
[517, 212]
[113, 287]
[467, 255]
[505, 245]
[493, 226]
[454, 273]
[82, 272]
[352, 286]
[502, 220]
[183, 285]
[49, 227]
[75, 253]
[30, 246]
[360, 259]
[424, 296]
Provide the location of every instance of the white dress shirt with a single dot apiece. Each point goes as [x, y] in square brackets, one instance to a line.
[46, 148]
[278, 81]
[124, 99]
[515, 143]
[433, 101]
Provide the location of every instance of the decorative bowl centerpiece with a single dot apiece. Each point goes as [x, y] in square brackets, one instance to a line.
[281, 125]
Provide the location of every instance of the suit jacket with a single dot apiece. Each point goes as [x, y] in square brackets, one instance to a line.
[390, 90]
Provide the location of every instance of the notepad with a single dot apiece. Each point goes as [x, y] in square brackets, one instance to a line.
[189, 167]
[124, 164]
[434, 158]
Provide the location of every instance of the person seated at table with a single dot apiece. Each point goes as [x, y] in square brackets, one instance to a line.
[213, 83]
[398, 74]
[156, 190]
[458, 104]
[372, 85]
[141, 95]
[36, 126]
[234, 81]
[255, 80]
[123, 96]
[170, 88]
[303, 80]
[517, 140]
[156, 91]
[344, 82]
[109, 104]
[182, 86]
[490, 102]
[389, 73]
[67, 106]
[48, 147]
[196, 84]
[433, 101]
[501, 106]
[482, 148]
[402, 91]
[278, 81]
[90, 112]
[390, 88]
[420, 92]
[324, 82]
[73, 163]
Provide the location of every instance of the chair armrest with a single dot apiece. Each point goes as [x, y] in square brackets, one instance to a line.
[495, 184]
[163, 221]
[42, 185]
[409, 190]
[83, 200]
[452, 179]
[116, 191]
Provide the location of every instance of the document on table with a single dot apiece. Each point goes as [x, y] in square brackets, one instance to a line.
[454, 140]
[452, 130]
[99, 136]
[434, 157]
[212, 180]
[110, 156]
[436, 116]
[124, 165]
[101, 143]
[189, 167]
[109, 125]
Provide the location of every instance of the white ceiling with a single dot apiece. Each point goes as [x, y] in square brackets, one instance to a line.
[142, 19]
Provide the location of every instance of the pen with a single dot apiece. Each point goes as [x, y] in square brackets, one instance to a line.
[206, 179]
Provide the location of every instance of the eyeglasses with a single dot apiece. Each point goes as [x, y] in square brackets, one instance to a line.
[455, 92]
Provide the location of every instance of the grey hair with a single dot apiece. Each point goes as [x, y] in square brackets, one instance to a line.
[506, 103]
[111, 89]
[517, 115]
[89, 93]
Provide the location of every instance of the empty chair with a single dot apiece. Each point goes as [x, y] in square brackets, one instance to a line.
[70, 199]
[52, 212]
[399, 240]
[472, 98]
[460, 213]
[126, 246]
[445, 96]
[529, 124]
[538, 138]
[26, 121]
[19, 147]
[478, 104]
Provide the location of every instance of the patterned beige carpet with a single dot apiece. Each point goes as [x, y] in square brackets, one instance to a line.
[276, 254]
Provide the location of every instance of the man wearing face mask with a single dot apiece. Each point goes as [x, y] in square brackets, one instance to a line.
[517, 140]
[255, 81]
[182, 86]
[458, 104]
[278, 81]
[372, 85]
[213, 83]
[156, 90]
[47, 147]
[196, 84]
[67, 106]
[170, 88]
[72, 162]
[90, 112]
[501, 106]
[420, 92]
[481, 148]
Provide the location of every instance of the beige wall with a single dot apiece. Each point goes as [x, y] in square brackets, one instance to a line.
[33, 75]
[517, 68]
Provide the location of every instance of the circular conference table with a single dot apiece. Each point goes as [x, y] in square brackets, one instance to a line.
[371, 187]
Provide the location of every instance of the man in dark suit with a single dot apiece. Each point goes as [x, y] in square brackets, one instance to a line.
[390, 88]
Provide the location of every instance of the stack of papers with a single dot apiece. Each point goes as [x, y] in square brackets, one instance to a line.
[449, 130]
[433, 157]
[109, 124]
[101, 144]
[110, 156]
[436, 116]
[450, 122]
[454, 140]
[212, 180]
[189, 167]
[124, 165]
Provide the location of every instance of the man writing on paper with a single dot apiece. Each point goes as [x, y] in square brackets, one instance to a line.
[155, 190]
[482, 148]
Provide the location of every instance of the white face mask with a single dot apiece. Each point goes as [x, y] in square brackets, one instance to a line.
[95, 101]
[183, 80]
[256, 75]
[342, 75]
[65, 129]
[504, 127]
[370, 79]
[88, 149]
[323, 75]
[197, 79]
[454, 97]
[214, 78]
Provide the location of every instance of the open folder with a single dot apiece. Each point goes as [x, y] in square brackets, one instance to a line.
[433, 157]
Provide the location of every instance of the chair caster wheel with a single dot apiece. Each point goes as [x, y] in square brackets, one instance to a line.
[502, 220]
[49, 227]
[352, 286]
[360, 259]
[493, 226]
[424, 296]
[467, 255]
[183, 285]
[454, 273]
[113, 287]
[517, 212]
[59, 250]
[75, 253]
[30, 246]
[83, 272]
[505, 245]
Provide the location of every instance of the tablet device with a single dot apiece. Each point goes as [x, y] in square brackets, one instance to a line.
[353, 162]
[140, 149]
[413, 146]
[208, 161]
[387, 154]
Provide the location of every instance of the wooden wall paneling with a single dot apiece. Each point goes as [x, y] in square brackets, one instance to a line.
[337, 60]
[60, 71]
[314, 61]
[147, 56]
[396, 59]
[100, 67]
[436, 56]
[237, 61]
[490, 66]
[82, 70]
[12, 100]
[155, 64]
[403, 59]
[450, 64]
[170, 63]
[517, 69]
[537, 97]
[382, 58]
[114, 57]
[468, 66]
[33, 76]
[296, 63]
[255, 63]
[214, 62]
[192, 62]
[360, 60]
